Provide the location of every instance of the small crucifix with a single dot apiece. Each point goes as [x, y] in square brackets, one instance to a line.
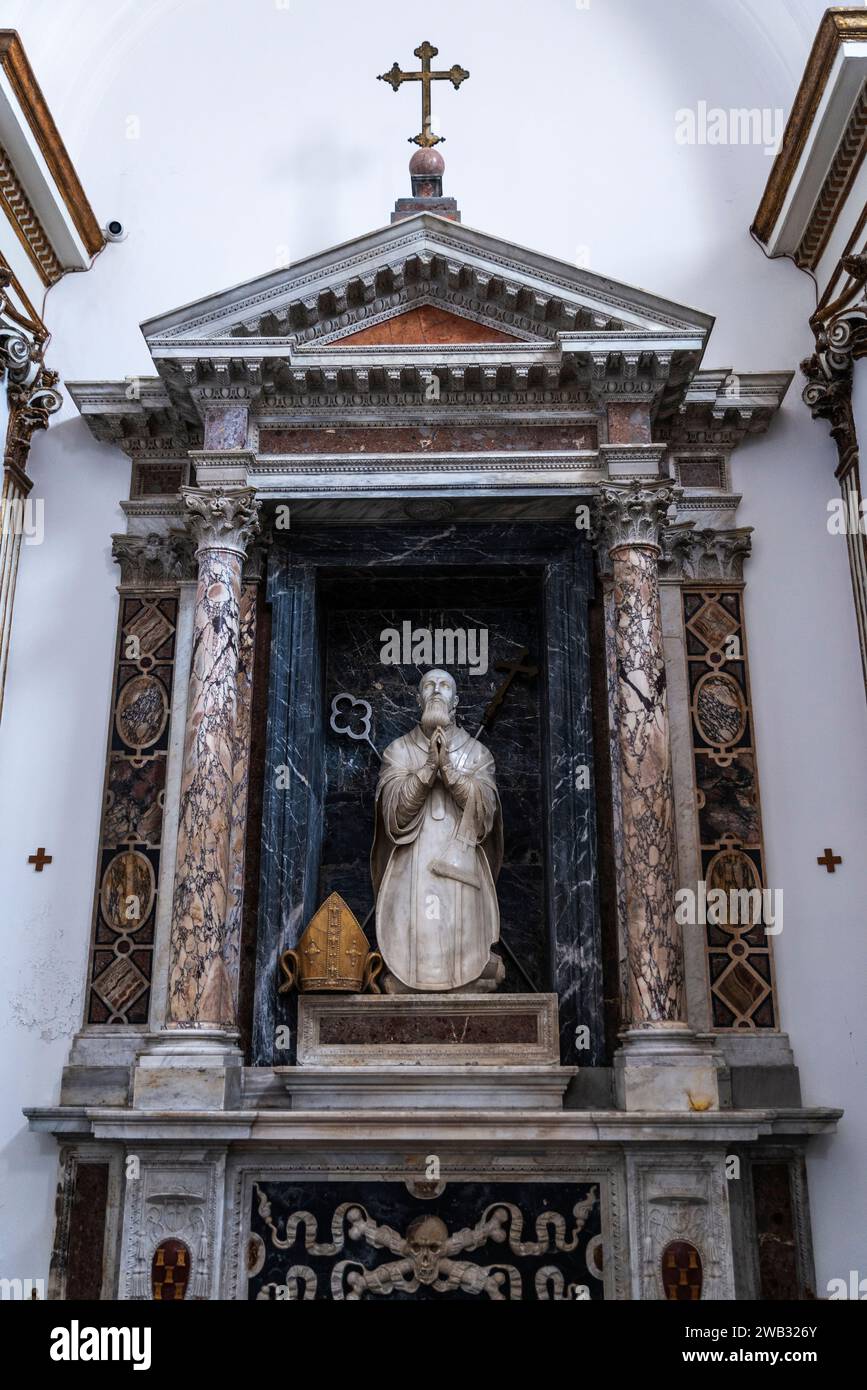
[829, 861]
[39, 860]
[513, 669]
[395, 76]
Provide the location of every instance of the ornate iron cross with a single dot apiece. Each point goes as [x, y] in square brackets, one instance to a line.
[456, 75]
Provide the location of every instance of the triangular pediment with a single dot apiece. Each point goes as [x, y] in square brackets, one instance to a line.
[425, 324]
[417, 276]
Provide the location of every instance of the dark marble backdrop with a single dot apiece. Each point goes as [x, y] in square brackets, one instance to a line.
[332, 591]
[356, 609]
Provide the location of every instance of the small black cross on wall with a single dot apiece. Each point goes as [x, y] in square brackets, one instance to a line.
[830, 861]
[39, 860]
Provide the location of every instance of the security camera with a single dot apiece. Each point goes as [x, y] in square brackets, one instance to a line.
[115, 230]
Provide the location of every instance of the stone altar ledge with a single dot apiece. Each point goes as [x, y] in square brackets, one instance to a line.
[431, 1030]
[469, 1087]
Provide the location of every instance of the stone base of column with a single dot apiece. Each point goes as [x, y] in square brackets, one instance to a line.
[195, 1069]
[666, 1067]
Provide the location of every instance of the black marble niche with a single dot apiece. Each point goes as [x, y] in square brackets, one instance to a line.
[316, 1257]
[355, 610]
[332, 591]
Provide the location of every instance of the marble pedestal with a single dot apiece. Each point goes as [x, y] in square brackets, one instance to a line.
[666, 1068]
[199, 1070]
[428, 1051]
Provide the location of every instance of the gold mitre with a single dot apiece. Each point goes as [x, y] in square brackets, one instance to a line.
[333, 954]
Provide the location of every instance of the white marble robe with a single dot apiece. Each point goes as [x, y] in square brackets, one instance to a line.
[436, 856]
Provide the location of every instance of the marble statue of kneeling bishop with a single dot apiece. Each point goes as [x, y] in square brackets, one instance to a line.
[437, 852]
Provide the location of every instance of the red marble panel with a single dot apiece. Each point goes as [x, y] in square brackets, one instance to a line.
[346, 1030]
[431, 439]
[628, 423]
[427, 324]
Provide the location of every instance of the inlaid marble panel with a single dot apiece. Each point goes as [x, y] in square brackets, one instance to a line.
[728, 809]
[363, 1241]
[382, 439]
[132, 822]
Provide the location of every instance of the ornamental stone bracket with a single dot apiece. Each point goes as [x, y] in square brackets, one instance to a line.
[30, 407]
[841, 339]
[21, 342]
[31, 386]
[32, 398]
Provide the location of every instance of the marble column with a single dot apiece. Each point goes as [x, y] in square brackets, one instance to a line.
[631, 517]
[200, 992]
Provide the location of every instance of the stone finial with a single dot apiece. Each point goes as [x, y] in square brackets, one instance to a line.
[222, 520]
[426, 169]
[633, 514]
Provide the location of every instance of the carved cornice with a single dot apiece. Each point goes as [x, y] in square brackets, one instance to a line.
[222, 520]
[705, 554]
[156, 560]
[138, 416]
[632, 515]
[22, 80]
[26, 224]
[721, 408]
[836, 188]
[839, 26]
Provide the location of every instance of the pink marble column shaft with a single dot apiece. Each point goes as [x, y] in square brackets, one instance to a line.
[632, 516]
[200, 987]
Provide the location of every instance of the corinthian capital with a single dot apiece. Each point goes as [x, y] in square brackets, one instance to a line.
[221, 520]
[154, 560]
[633, 514]
[709, 554]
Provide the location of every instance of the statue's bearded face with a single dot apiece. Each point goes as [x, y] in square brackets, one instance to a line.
[438, 697]
[425, 1241]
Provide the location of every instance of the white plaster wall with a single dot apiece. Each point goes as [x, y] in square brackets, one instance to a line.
[562, 140]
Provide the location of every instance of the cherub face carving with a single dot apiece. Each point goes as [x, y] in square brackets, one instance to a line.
[425, 1242]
